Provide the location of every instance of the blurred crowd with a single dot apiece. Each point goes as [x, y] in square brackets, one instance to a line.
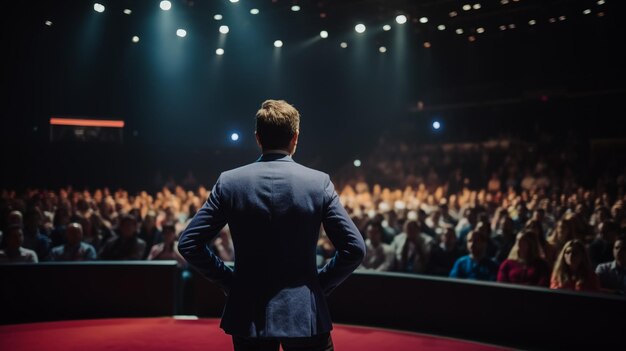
[528, 222]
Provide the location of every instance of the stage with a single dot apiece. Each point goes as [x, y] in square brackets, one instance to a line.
[180, 333]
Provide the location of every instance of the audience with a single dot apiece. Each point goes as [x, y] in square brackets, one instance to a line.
[168, 249]
[74, 249]
[476, 265]
[126, 245]
[378, 256]
[573, 270]
[13, 250]
[612, 274]
[524, 264]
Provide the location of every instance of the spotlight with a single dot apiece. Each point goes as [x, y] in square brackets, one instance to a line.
[504, 2]
[127, 11]
[219, 52]
[512, 26]
[467, 7]
[234, 1]
[436, 125]
[324, 34]
[224, 29]
[480, 30]
[165, 5]
[254, 11]
[562, 18]
[532, 22]
[386, 27]
[476, 6]
[453, 14]
[343, 45]
[357, 163]
[218, 17]
[278, 44]
[441, 27]
[427, 45]
[49, 23]
[424, 20]
[382, 49]
[135, 39]
[600, 2]
[234, 136]
[587, 11]
[401, 19]
[98, 7]
[503, 27]
[295, 8]
[459, 31]
[181, 33]
[359, 28]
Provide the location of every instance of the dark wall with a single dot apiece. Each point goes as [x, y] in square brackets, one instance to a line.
[515, 316]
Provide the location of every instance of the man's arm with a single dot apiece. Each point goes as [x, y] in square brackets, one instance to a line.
[193, 243]
[346, 238]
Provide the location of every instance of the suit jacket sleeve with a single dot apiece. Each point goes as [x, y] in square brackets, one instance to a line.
[346, 238]
[194, 241]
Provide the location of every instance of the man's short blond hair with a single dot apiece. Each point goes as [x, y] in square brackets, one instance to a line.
[276, 124]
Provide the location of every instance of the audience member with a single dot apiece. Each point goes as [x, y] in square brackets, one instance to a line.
[612, 274]
[126, 245]
[13, 250]
[524, 264]
[74, 248]
[476, 265]
[573, 270]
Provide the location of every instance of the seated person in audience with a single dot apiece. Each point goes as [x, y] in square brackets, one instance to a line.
[223, 245]
[34, 239]
[149, 232]
[572, 270]
[524, 265]
[504, 239]
[476, 265]
[612, 274]
[168, 249]
[74, 249]
[126, 245]
[411, 248]
[564, 232]
[379, 256]
[424, 228]
[13, 250]
[444, 253]
[601, 248]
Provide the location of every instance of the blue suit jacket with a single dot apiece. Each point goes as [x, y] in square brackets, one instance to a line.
[274, 208]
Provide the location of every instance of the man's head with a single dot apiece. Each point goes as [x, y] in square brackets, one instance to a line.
[128, 226]
[619, 252]
[74, 233]
[277, 126]
[476, 244]
[14, 237]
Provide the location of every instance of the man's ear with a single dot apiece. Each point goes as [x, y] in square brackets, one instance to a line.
[258, 141]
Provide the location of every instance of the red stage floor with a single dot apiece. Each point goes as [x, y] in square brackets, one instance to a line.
[156, 334]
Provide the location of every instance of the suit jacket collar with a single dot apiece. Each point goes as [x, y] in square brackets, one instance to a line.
[274, 157]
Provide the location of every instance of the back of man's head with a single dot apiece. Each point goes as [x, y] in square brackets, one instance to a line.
[276, 124]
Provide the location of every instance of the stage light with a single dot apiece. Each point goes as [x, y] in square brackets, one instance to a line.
[503, 27]
[219, 52]
[427, 45]
[278, 44]
[181, 33]
[343, 45]
[401, 19]
[49, 23]
[512, 26]
[295, 8]
[552, 20]
[471, 38]
[532, 22]
[480, 30]
[441, 27]
[436, 125]
[127, 11]
[357, 163]
[135, 39]
[453, 14]
[234, 1]
[234, 137]
[382, 49]
[218, 17]
[165, 5]
[459, 31]
[224, 29]
[467, 7]
[562, 18]
[587, 11]
[600, 2]
[386, 27]
[477, 6]
[324, 34]
[359, 28]
[504, 2]
[254, 11]
[98, 7]
[424, 20]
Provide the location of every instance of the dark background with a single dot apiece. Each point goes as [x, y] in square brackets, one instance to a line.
[181, 102]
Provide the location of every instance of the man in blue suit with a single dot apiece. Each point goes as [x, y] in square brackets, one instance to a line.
[274, 208]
